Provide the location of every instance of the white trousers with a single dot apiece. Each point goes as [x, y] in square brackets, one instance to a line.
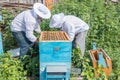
[79, 41]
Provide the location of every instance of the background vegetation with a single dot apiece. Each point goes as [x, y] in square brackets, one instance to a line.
[104, 21]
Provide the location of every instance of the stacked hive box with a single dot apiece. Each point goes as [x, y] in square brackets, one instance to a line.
[55, 55]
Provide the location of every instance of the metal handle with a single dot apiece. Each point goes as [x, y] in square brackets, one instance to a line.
[56, 48]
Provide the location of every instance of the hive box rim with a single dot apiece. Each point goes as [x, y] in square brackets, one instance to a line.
[40, 39]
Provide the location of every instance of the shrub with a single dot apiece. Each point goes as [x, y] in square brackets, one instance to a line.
[11, 68]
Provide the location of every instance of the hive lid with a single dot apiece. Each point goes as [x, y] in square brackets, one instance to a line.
[54, 36]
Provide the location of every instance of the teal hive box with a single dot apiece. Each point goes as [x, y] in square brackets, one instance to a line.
[55, 55]
[1, 45]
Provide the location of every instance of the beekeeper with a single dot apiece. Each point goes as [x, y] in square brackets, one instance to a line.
[73, 26]
[24, 25]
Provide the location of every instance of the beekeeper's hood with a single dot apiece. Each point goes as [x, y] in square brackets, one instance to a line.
[56, 20]
[41, 10]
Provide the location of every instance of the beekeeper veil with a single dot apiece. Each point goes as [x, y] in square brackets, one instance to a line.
[56, 20]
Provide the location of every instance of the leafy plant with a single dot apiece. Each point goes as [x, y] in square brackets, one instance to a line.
[104, 21]
[83, 63]
[11, 68]
[31, 63]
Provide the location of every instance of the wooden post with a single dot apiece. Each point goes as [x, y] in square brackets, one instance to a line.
[49, 4]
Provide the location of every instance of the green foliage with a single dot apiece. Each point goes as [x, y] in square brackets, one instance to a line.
[11, 68]
[104, 21]
[31, 64]
[45, 26]
[8, 41]
[83, 63]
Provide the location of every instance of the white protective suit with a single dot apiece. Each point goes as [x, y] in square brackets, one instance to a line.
[26, 21]
[114, 0]
[73, 26]
[24, 25]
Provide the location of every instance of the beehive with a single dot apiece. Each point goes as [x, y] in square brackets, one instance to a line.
[55, 52]
[94, 57]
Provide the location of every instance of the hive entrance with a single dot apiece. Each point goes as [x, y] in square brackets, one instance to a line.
[53, 36]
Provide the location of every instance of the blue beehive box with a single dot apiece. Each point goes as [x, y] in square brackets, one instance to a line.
[55, 55]
[1, 46]
[0, 17]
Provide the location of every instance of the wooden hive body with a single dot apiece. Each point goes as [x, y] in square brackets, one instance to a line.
[94, 57]
[55, 50]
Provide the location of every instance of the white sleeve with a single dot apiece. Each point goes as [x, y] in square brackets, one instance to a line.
[70, 29]
[29, 31]
[37, 29]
